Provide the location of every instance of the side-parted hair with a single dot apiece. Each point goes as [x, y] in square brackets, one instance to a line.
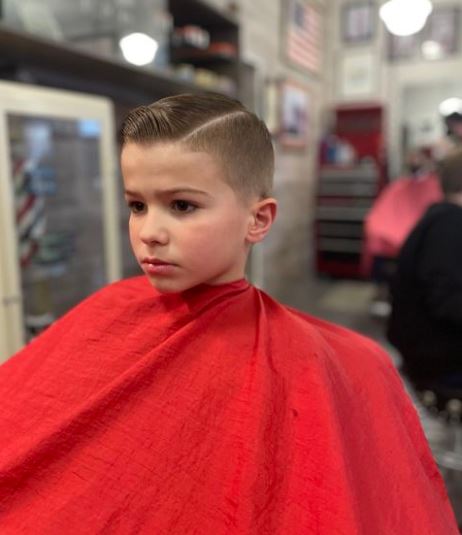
[211, 123]
[450, 173]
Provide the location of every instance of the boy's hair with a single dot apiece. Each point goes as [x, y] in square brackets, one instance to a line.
[450, 173]
[212, 123]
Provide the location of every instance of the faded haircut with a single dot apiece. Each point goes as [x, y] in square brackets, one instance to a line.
[211, 123]
[450, 173]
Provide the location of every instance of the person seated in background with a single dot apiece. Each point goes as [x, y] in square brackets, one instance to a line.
[391, 218]
[426, 318]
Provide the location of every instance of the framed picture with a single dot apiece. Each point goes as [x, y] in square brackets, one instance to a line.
[358, 22]
[295, 115]
[403, 47]
[441, 33]
[302, 34]
[358, 75]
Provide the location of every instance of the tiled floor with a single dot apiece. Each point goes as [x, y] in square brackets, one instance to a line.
[348, 303]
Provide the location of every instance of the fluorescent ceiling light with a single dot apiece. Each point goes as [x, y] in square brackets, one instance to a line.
[138, 48]
[405, 17]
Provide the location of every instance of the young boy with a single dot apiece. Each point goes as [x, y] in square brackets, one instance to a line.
[199, 405]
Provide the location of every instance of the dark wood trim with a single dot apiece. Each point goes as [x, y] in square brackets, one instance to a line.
[199, 13]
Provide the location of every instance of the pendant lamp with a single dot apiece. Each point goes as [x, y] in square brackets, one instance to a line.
[405, 17]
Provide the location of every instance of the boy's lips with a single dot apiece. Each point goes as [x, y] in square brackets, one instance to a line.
[155, 261]
[155, 266]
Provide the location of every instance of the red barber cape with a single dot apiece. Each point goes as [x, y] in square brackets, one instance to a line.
[217, 411]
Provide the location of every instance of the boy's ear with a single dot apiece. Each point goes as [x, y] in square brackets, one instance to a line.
[262, 217]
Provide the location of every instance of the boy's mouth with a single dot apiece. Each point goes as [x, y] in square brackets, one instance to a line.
[155, 262]
[155, 266]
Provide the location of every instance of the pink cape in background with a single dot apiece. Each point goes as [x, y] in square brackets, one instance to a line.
[395, 212]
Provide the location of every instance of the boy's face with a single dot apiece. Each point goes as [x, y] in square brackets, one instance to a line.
[187, 225]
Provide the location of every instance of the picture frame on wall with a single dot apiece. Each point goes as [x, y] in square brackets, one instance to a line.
[441, 33]
[403, 47]
[295, 115]
[302, 34]
[358, 22]
[358, 75]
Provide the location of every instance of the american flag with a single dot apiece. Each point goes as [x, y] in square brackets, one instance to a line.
[304, 34]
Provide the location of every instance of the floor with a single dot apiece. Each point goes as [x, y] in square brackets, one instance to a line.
[348, 303]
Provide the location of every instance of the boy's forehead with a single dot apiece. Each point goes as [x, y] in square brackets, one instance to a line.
[171, 162]
[168, 156]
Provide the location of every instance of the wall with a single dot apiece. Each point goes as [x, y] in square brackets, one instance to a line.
[392, 80]
[286, 253]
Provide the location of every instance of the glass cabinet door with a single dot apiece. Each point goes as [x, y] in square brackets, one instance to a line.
[59, 222]
[56, 180]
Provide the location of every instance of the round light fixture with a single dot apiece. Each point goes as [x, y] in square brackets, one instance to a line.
[138, 48]
[405, 17]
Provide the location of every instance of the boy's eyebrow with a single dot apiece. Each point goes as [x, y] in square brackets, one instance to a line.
[172, 191]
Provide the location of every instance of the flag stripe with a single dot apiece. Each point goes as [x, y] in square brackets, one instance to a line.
[304, 36]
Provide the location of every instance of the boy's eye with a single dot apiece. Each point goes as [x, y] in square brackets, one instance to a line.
[136, 207]
[183, 206]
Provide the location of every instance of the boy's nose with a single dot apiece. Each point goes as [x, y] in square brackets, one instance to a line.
[153, 230]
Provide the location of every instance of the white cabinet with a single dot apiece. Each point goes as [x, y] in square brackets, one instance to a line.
[59, 237]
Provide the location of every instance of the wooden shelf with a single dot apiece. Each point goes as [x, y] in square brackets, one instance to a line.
[37, 60]
[200, 57]
[221, 27]
[199, 13]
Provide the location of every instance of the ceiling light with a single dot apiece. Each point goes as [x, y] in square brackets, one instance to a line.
[405, 17]
[138, 48]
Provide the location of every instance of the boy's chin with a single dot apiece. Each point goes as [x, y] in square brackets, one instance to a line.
[171, 285]
[165, 286]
